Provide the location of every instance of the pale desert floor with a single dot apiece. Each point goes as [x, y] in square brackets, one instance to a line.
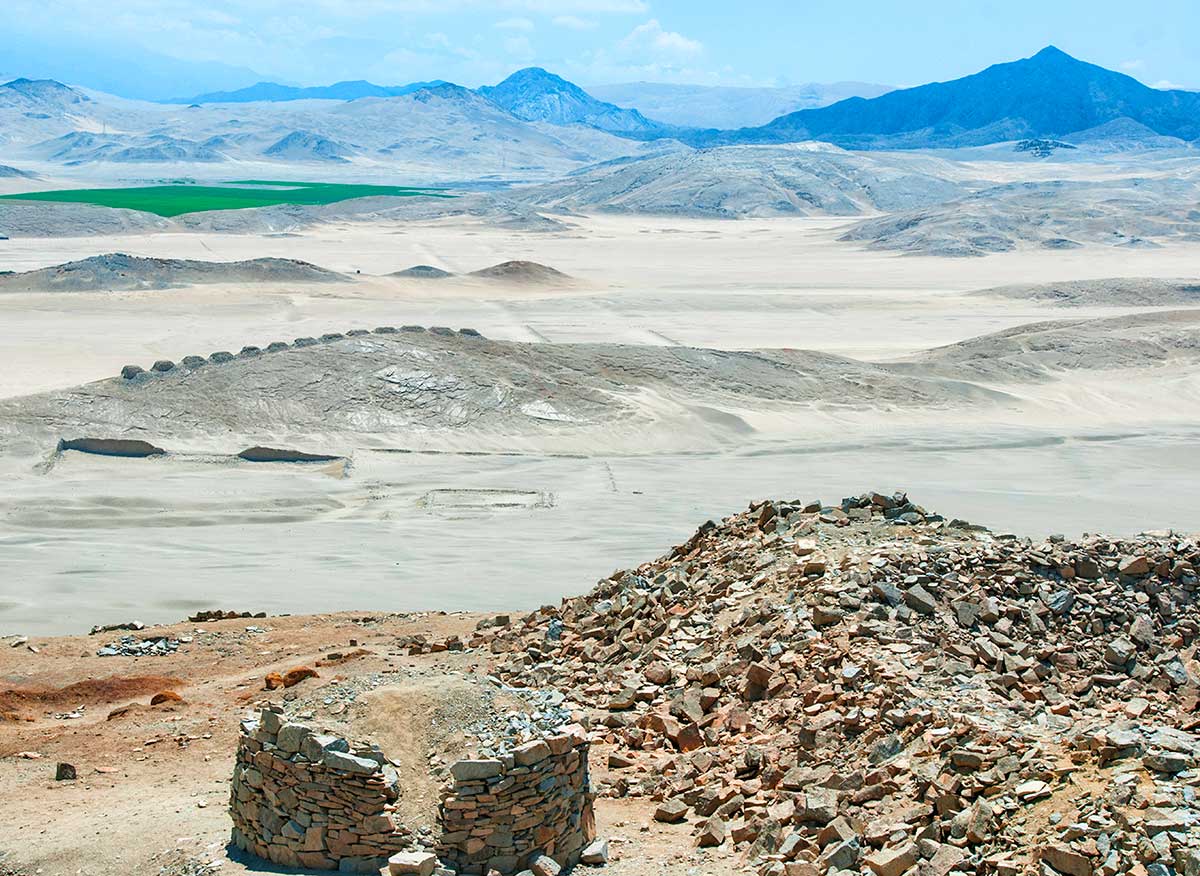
[95, 540]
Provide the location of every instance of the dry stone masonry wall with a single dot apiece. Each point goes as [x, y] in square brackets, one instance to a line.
[300, 798]
[504, 813]
[304, 799]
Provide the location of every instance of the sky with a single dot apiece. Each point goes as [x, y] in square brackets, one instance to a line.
[165, 44]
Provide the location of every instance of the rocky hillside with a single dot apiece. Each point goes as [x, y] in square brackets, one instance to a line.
[867, 687]
[805, 179]
[536, 95]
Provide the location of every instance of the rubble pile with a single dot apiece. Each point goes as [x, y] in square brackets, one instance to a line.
[150, 646]
[870, 688]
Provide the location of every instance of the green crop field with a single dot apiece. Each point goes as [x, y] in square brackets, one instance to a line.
[177, 199]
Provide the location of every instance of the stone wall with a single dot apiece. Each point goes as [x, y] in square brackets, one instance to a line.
[500, 814]
[303, 799]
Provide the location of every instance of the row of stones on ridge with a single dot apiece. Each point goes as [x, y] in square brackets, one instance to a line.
[162, 366]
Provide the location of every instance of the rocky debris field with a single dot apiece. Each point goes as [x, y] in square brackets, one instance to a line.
[866, 687]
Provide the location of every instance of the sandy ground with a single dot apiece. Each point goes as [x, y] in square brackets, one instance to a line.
[643, 280]
[100, 540]
[153, 785]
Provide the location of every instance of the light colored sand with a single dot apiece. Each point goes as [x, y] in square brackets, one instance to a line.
[101, 540]
[728, 285]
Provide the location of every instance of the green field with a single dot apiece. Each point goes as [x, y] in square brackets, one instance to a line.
[176, 199]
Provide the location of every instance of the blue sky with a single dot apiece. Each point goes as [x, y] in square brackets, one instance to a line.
[755, 42]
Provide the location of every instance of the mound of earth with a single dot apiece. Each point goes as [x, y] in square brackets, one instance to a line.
[422, 272]
[1047, 215]
[1115, 292]
[1037, 350]
[120, 272]
[530, 273]
[19, 702]
[47, 219]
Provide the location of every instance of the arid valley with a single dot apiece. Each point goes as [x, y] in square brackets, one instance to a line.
[331, 477]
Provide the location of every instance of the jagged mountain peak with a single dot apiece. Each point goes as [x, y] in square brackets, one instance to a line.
[534, 94]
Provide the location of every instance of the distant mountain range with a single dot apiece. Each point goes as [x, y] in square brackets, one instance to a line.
[709, 106]
[274, 92]
[535, 125]
[1048, 95]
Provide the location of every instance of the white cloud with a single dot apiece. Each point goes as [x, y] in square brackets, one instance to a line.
[522, 24]
[574, 22]
[650, 39]
[519, 47]
[1132, 66]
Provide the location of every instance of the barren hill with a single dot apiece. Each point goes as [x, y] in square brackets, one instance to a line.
[800, 180]
[118, 272]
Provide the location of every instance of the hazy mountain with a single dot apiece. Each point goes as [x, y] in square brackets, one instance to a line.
[126, 70]
[85, 147]
[34, 94]
[535, 95]
[274, 92]
[307, 146]
[32, 110]
[702, 106]
[444, 133]
[1048, 95]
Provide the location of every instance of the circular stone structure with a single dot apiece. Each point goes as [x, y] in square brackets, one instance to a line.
[304, 798]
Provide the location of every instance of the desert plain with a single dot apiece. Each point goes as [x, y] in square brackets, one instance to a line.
[482, 516]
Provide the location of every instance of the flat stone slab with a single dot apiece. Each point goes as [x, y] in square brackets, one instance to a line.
[407, 863]
[476, 770]
[340, 760]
